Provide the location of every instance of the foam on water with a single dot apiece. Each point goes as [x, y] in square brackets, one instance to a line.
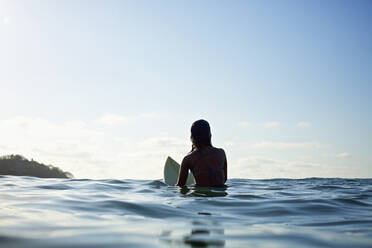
[310, 212]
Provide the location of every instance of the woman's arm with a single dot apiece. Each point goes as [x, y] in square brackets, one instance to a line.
[225, 166]
[184, 172]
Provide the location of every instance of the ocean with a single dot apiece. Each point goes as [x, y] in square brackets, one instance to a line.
[313, 212]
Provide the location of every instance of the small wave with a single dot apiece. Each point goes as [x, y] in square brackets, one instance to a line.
[320, 208]
[351, 202]
[196, 191]
[156, 183]
[79, 180]
[145, 191]
[340, 223]
[247, 196]
[116, 181]
[144, 209]
[55, 186]
[327, 187]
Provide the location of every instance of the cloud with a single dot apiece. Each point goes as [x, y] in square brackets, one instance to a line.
[35, 129]
[87, 151]
[264, 168]
[163, 143]
[272, 124]
[153, 115]
[3, 146]
[112, 120]
[285, 145]
[303, 124]
[343, 155]
[269, 146]
[73, 146]
[243, 124]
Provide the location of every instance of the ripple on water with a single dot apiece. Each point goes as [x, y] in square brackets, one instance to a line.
[55, 186]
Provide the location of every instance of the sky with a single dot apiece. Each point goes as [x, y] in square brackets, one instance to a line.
[109, 89]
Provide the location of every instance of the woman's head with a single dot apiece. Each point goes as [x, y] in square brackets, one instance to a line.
[201, 133]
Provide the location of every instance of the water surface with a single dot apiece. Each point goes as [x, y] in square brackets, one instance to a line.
[310, 212]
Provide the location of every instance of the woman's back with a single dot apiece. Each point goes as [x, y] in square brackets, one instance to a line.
[207, 166]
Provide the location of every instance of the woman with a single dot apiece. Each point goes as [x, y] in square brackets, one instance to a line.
[207, 163]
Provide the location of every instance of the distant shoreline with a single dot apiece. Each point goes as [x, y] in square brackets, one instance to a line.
[17, 165]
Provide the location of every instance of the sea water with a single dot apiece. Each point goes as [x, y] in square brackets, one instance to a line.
[312, 212]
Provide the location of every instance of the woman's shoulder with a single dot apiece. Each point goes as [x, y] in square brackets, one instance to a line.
[189, 156]
[220, 150]
[211, 150]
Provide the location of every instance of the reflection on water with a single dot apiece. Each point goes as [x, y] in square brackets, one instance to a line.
[202, 234]
[204, 191]
[205, 237]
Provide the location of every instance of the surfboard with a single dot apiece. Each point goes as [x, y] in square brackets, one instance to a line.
[171, 171]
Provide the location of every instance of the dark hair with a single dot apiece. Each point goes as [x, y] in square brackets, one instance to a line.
[201, 134]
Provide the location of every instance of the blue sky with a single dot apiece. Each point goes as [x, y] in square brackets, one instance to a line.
[285, 85]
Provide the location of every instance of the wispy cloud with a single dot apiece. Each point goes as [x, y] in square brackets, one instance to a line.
[343, 155]
[163, 142]
[112, 120]
[273, 145]
[87, 151]
[80, 148]
[272, 124]
[69, 145]
[244, 124]
[303, 124]
[153, 115]
[285, 145]
[263, 167]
